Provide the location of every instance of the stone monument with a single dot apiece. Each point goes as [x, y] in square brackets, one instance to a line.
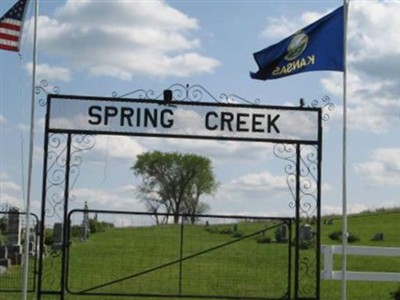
[14, 236]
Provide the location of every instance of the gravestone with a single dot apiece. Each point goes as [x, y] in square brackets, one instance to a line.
[306, 233]
[57, 236]
[85, 223]
[378, 237]
[14, 236]
[32, 244]
[281, 234]
[14, 228]
[3, 250]
[5, 262]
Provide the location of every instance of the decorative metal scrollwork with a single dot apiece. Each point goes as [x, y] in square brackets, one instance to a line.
[44, 90]
[57, 151]
[307, 177]
[326, 105]
[301, 165]
[79, 144]
[138, 94]
[189, 93]
[56, 162]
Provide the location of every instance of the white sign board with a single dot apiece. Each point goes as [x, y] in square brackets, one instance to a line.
[183, 119]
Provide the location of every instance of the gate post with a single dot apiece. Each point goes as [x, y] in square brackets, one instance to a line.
[297, 207]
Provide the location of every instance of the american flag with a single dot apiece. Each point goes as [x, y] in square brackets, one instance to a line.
[11, 26]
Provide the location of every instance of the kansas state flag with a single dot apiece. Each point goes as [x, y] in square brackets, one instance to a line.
[319, 46]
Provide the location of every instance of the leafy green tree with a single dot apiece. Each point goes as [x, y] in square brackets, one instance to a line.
[174, 183]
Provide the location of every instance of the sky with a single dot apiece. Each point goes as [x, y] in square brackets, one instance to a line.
[105, 48]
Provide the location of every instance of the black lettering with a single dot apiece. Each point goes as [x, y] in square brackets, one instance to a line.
[241, 121]
[256, 123]
[93, 114]
[271, 123]
[226, 118]
[138, 114]
[126, 114]
[165, 122]
[148, 116]
[208, 126]
[109, 112]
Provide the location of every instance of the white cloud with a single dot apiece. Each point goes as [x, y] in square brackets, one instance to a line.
[51, 73]
[118, 198]
[373, 67]
[373, 38]
[283, 26]
[118, 146]
[250, 186]
[3, 119]
[124, 38]
[383, 169]
[10, 192]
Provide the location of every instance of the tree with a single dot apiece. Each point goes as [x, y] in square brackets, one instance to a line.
[174, 182]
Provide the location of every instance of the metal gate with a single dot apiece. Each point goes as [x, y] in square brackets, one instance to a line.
[236, 257]
[66, 138]
[11, 254]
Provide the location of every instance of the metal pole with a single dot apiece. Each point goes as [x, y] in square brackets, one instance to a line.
[181, 254]
[30, 163]
[319, 179]
[297, 242]
[344, 158]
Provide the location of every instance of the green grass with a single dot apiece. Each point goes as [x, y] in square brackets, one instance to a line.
[140, 250]
[365, 226]
[125, 253]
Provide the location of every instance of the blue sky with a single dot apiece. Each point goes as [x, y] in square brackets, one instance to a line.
[96, 47]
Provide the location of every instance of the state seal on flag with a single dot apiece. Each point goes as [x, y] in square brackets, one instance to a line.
[297, 45]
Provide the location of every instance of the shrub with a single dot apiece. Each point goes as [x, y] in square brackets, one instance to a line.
[304, 245]
[337, 236]
[352, 238]
[48, 236]
[226, 231]
[395, 295]
[75, 231]
[237, 234]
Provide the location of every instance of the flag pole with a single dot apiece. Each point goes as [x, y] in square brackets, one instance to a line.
[30, 162]
[344, 157]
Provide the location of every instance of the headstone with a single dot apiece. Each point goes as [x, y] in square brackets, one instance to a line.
[2, 269]
[235, 227]
[57, 236]
[85, 223]
[378, 237]
[14, 228]
[32, 244]
[207, 225]
[5, 262]
[3, 251]
[306, 233]
[282, 234]
[14, 236]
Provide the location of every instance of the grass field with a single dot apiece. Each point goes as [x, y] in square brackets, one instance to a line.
[365, 226]
[125, 259]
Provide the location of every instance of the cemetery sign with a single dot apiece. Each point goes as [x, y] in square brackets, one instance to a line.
[222, 121]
